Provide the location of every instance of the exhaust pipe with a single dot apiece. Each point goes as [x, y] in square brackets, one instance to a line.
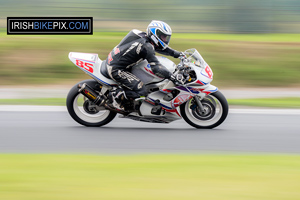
[91, 94]
[99, 100]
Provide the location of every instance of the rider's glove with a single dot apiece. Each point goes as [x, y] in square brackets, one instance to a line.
[177, 79]
[178, 54]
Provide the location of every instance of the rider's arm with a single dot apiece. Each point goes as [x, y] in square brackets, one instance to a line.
[158, 69]
[169, 52]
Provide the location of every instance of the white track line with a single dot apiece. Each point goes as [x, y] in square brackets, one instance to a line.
[20, 108]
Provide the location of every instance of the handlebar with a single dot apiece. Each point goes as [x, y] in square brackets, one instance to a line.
[183, 68]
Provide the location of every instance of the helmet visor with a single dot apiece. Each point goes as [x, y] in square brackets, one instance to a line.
[164, 37]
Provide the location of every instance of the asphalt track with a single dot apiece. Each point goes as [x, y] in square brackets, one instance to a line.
[56, 132]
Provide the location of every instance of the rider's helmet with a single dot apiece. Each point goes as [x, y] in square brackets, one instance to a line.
[159, 33]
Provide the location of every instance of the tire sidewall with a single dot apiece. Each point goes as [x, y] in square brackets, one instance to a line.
[70, 100]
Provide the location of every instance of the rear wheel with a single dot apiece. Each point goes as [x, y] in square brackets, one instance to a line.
[85, 112]
[215, 111]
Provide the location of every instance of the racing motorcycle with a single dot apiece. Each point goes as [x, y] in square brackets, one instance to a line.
[195, 100]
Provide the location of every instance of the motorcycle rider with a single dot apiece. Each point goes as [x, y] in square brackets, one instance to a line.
[135, 47]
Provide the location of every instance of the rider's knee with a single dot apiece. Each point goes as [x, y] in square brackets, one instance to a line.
[141, 89]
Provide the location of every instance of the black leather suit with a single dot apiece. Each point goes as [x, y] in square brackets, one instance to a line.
[134, 48]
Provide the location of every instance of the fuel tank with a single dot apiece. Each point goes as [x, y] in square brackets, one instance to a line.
[143, 70]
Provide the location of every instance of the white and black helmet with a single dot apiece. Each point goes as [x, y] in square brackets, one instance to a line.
[160, 33]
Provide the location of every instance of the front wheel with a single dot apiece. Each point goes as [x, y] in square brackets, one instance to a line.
[84, 111]
[215, 107]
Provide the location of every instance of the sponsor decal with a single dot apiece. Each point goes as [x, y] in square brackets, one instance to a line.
[180, 100]
[109, 58]
[89, 94]
[49, 25]
[116, 50]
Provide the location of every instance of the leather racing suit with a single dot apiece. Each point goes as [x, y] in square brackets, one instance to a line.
[134, 48]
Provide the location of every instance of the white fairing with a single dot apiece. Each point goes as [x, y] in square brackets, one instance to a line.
[90, 64]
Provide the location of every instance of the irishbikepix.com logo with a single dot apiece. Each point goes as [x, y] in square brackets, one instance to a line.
[49, 25]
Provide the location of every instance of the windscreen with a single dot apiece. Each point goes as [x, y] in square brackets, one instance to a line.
[195, 58]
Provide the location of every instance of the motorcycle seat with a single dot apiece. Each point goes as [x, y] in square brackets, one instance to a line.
[103, 69]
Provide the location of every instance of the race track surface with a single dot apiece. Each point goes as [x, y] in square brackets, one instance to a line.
[56, 132]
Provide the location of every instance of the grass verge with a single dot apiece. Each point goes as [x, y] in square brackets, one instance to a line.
[292, 102]
[210, 177]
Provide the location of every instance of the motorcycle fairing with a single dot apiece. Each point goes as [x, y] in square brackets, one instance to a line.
[164, 107]
[172, 107]
[90, 64]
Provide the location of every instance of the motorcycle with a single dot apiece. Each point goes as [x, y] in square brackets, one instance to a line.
[195, 100]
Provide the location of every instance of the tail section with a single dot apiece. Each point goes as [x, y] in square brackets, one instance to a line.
[90, 64]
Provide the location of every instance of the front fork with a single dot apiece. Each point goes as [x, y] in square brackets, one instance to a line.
[199, 104]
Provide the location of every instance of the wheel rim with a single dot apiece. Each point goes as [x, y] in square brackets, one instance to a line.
[84, 114]
[90, 107]
[213, 112]
[209, 111]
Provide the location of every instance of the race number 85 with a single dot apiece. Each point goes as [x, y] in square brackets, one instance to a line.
[85, 65]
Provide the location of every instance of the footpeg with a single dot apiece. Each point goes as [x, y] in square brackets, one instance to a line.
[156, 110]
[91, 94]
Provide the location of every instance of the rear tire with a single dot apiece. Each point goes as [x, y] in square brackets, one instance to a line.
[80, 114]
[216, 108]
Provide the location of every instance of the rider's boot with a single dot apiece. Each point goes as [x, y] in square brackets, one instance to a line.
[116, 98]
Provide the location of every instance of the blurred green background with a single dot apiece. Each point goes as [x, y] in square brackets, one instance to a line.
[247, 43]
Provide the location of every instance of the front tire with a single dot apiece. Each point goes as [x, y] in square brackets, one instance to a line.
[76, 105]
[216, 111]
